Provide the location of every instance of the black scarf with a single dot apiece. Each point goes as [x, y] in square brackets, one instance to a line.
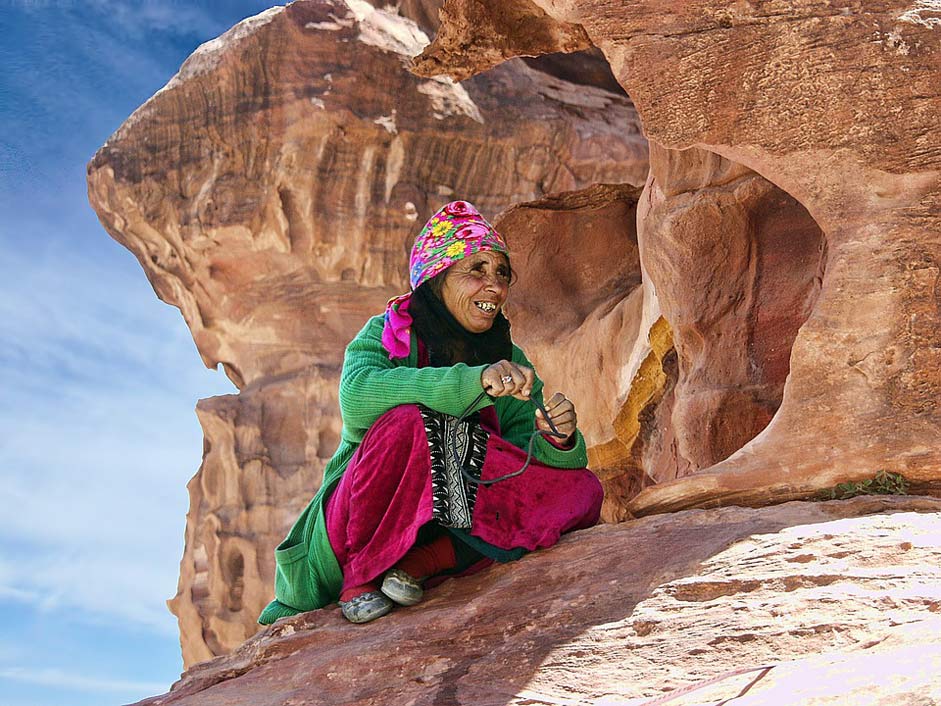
[448, 342]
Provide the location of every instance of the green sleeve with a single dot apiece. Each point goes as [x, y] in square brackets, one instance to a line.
[518, 421]
[372, 384]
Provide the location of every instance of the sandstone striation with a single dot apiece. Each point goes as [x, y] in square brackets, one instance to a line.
[810, 603]
[836, 107]
[271, 192]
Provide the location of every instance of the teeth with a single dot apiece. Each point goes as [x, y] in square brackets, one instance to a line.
[489, 307]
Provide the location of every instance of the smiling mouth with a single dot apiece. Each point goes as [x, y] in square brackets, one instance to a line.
[486, 307]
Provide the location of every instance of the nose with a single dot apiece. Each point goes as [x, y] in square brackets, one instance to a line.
[495, 283]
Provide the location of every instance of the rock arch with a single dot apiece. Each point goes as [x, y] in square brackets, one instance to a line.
[834, 106]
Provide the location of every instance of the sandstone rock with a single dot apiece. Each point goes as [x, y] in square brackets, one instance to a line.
[643, 436]
[836, 107]
[622, 614]
[575, 255]
[306, 188]
[737, 266]
[424, 13]
[770, 327]
[475, 33]
[577, 307]
[261, 450]
[271, 191]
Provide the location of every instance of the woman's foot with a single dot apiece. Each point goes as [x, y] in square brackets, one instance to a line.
[402, 583]
[402, 587]
[366, 606]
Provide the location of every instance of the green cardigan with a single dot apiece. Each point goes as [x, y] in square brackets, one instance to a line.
[307, 575]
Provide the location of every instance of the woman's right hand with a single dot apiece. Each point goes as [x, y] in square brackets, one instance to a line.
[507, 379]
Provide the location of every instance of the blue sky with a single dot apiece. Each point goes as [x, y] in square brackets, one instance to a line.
[98, 378]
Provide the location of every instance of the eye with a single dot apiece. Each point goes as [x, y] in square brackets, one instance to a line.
[503, 272]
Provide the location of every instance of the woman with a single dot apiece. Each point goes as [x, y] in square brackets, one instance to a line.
[437, 405]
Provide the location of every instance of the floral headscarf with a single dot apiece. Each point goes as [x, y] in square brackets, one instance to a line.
[453, 233]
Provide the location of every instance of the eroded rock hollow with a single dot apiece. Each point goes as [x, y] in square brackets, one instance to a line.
[746, 308]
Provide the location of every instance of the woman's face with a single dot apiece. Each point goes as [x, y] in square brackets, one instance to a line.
[476, 288]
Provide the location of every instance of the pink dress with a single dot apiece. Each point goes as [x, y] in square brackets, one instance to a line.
[385, 496]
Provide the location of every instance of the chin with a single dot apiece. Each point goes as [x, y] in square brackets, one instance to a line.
[481, 328]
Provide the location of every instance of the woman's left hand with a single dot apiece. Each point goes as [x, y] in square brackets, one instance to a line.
[562, 413]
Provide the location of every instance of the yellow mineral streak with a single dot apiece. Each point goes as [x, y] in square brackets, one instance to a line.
[614, 461]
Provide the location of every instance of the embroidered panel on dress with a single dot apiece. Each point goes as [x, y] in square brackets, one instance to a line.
[452, 444]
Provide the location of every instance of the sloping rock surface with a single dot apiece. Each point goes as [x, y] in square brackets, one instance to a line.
[840, 599]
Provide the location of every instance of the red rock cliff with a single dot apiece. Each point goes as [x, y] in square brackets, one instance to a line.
[760, 321]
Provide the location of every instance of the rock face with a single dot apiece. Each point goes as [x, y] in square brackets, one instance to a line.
[836, 107]
[737, 266]
[272, 194]
[578, 306]
[759, 323]
[810, 603]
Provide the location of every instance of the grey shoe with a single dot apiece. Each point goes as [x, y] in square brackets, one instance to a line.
[401, 587]
[366, 607]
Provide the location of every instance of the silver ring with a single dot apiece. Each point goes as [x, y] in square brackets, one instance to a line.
[506, 379]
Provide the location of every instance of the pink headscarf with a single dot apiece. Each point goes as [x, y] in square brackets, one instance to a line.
[453, 233]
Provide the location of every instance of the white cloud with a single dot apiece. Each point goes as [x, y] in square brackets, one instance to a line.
[100, 382]
[95, 587]
[60, 678]
[180, 17]
[78, 317]
[138, 18]
[8, 593]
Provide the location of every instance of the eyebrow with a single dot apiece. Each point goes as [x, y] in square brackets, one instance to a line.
[475, 260]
